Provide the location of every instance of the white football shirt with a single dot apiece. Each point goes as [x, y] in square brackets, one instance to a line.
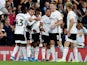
[46, 24]
[20, 24]
[55, 16]
[72, 15]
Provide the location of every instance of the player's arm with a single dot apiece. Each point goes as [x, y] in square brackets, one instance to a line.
[71, 25]
[37, 18]
[41, 27]
[59, 22]
[75, 1]
[31, 19]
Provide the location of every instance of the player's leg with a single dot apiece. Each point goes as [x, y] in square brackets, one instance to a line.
[33, 52]
[52, 45]
[60, 46]
[28, 46]
[75, 50]
[23, 52]
[16, 48]
[65, 52]
[45, 42]
[48, 52]
[59, 42]
[37, 42]
[28, 50]
[44, 52]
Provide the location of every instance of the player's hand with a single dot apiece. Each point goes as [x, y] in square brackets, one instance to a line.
[42, 29]
[52, 27]
[41, 24]
[38, 18]
[68, 33]
[34, 31]
[30, 19]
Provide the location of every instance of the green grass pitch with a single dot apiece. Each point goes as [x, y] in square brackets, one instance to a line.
[40, 63]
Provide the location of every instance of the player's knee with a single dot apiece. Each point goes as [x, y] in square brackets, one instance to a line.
[52, 42]
[66, 44]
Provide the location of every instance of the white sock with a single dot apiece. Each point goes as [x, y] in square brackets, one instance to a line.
[43, 52]
[48, 54]
[61, 48]
[23, 50]
[33, 51]
[20, 53]
[65, 51]
[75, 50]
[36, 52]
[52, 49]
[28, 51]
[15, 50]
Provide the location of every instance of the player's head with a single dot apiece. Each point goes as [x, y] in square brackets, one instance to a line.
[37, 12]
[69, 6]
[52, 7]
[24, 10]
[31, 11]
[47, 12]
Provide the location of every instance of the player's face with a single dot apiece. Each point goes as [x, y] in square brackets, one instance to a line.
[31, 12]
[52, 7]
[48, 13]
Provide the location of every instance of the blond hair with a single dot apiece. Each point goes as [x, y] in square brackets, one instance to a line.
[69, 4]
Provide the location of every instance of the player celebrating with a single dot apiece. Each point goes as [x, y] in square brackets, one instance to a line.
[20, 37]
[30, 18]
[36, 35]
[56, 20]
[45, 28]
[71, 33]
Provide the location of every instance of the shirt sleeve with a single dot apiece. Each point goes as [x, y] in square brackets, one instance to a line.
[59, 16]
[84, 30]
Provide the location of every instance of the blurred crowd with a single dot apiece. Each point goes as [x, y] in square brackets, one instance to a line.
[10, 8]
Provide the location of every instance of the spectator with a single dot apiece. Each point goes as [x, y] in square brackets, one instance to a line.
[9, 31]
[12, 16]
[80, 35]
[16, 2]
[12, 3]
[2, 6]
[2, 35]
[84, 14]
[78, 13]
[47, 4]
[29, 4]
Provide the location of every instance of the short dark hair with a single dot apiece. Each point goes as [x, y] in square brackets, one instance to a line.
[24, 10]
[31, 8]
[47, 9]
